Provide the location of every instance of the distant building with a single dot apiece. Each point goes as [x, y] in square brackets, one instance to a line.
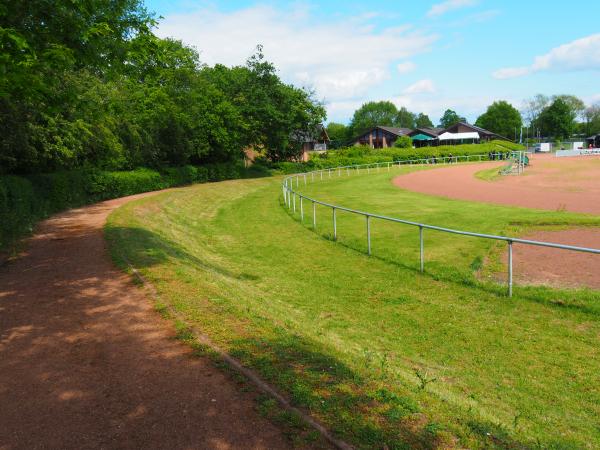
[380, 137]
[594, 141]
[313, 142]
[460, 133]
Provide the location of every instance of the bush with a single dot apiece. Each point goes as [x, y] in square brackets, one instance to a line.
[403, 142]
[25, 200]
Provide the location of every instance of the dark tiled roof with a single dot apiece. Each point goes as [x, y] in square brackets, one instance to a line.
[396, 131]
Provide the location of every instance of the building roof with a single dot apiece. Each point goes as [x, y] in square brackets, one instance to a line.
[432, 132]
[475, 128]
[458, 136]
[394, 130]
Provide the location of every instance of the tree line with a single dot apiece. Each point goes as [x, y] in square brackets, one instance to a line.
[558, 117]
[90, 84]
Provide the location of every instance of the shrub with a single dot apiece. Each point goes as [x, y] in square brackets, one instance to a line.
[403, 142]
[25, 200]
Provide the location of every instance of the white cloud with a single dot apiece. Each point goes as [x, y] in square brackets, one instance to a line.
[420, 87]
[449, 5]
[406, 67]
[581, 54]
[340, 58]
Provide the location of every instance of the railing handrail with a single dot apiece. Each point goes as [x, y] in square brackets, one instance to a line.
[289, 190]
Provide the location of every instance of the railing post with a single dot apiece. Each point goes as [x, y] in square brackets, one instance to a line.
[314, 215]
[510, 269]
[294, 198]
[421, 251]
[368, 235]
[388, 167]
[334, 224]
[301, 210]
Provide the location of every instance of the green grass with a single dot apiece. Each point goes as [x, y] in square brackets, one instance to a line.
[378, 352]
[491, 174]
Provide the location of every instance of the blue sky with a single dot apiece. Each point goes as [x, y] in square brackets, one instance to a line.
[427, 55]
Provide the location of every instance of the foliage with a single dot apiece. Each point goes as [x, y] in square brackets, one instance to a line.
[405, 119]
[557, 120]
[423, 121]
[403, 142]
[89, 84]
[450, 118]
[338, 133]
[501, 118]
[25, 200]
[373, 114]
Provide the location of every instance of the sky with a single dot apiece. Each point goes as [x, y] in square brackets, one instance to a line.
[424, 55]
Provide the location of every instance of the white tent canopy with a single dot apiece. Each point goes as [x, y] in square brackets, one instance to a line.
[458, 136]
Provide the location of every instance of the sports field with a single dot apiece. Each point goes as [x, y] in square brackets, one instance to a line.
[381, 354]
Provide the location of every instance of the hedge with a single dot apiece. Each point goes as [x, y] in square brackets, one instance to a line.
[28, 199]
[365, 155]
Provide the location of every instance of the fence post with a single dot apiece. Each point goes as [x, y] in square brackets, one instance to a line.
[368, 235]
[304, 179]
[388, 167]
[340, 172]
[334, 224]
[314, 215]
[313, 176]
[329, 173]
[510, 269]
[321, 175]
[294, 198]
[421, 252]
[301, 210]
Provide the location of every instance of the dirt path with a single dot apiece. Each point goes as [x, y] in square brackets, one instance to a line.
[85, 362]
[570, 184]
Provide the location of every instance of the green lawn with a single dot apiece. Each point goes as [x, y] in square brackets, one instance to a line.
[379, 352]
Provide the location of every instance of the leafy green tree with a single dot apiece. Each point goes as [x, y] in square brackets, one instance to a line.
[405, 119]
[592, 120]
[501, 118]
[372, 114]
[557, 120]
[450, 118]
[338, 133]
[423, 121]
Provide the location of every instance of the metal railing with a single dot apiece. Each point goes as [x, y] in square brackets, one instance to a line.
[290, 195]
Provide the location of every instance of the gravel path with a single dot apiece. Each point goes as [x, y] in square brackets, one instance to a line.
[85, 362]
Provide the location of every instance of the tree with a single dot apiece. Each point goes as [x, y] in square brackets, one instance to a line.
[404, 118]
[423, 121]
[338, 133]
[575, 103]
[534, 106]
[372, 114]
[557, 120]
[450, 118]
[501, 118]
[592, 119]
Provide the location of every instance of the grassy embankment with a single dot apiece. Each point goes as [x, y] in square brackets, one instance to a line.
[377, 351]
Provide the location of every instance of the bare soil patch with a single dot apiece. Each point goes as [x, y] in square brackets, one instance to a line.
[566, 184]
[85, 361]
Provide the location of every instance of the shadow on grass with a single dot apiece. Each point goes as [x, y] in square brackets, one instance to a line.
[144, 248]
[374, 411]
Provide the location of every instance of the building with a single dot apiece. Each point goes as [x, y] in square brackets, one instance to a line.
[460, 133]
[380, 137]
[594, 141]
[422, 137]
[314, 142]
